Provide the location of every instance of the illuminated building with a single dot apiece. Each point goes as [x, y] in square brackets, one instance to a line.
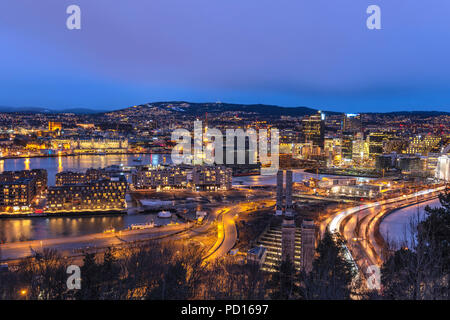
[376, 142]
[92, 145]
[39, 177]
[431, 163]
[17, 195]
[385, 161]
[347, 146]
[328, 182]
[360, 151]
[86, 125]
[69, 177]
[423, 144]
[105, 194]
[160, 178]
[54, 126]
[272, 240]
[411, 165]
[99, 145]
[352, 122]
[211, 178]
[286, 148]
[356, 191]
[314, 129]
[443, 168]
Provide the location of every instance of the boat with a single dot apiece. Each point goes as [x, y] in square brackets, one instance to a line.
[110, 230]
[141, 226]
[164, 214]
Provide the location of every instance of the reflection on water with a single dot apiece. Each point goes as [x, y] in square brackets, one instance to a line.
[297, 176]
[53, 165]
[13, 230]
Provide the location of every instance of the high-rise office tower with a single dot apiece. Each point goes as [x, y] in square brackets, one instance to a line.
[279, 205]
[352, 122]
[314, 129]
[289, 208]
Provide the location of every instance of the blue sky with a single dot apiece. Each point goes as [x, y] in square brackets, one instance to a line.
[315, 53]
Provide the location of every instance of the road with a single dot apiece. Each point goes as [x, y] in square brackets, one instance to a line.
[226, 227]
[74, 245]
[358, 226]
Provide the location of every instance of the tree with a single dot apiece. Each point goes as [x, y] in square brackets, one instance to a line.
[90, 278]
[45, 275]
[281, 283]
[422, 271]
[331, 275]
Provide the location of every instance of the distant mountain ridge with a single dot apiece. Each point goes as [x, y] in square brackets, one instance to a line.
[199, 109]
[5, 109]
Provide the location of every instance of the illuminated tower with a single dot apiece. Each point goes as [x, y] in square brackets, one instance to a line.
[314, 129]
[288, 238]
[288, 210]
[308, 244]
[279, 205]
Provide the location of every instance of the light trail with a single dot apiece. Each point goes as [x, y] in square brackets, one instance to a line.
[335, 224]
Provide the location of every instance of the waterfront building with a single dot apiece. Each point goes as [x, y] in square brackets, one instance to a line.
[211, 178]
[91, 145]
[105, 194]
[17, 195]
[174, 177]
[38, 175]
[69, 177]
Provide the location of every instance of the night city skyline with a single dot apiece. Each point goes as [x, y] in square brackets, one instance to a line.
[242, 157]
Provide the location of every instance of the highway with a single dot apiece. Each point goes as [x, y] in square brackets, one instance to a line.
[358, 226]
[226, 227]
[74, 245]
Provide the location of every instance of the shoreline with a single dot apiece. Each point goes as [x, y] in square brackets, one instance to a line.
[64, 214]
[344, 174]
[80, 154]
[378, 234]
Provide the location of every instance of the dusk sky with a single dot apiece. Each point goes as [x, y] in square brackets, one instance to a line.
[313, 53]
